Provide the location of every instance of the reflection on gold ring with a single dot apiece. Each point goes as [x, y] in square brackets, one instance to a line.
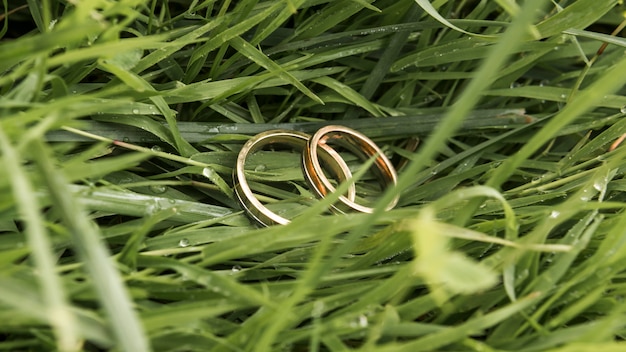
[358, 144]
[292, 139]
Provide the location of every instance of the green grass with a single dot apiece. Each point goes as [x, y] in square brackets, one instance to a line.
[120, 123]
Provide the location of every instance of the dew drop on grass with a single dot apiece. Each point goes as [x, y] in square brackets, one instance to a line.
[158, 189]
[623, 109]
[515, 85]
[598, 186]
[183, 243]
[156, 148]
[126, 140]
[260, 168]
[318, 309]
[554, 214]
[136, 111]
[125, 180]
[236, 268]
[362, 321]
[585, 197]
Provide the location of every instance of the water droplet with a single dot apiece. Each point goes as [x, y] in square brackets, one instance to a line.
[363, 321]
[183, 243]
[208, 173]
[554, 214]
[126, 140]
[522, 275]
[623, 109]
[598, 186]
[585, 197]
[153, 207]
[156, 148]
[563, 96]
[158, 189]
[515, 85]
[236, 268]
[544, 82]
[125, 180]
[260, 168]
[136, 111]
[318, 309]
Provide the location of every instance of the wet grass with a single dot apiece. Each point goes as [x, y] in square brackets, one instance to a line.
[120, 123]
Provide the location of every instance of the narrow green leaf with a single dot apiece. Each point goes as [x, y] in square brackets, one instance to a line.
[428, 7]
[86, 239]
[578, 15]
[55, 308]
[257, 56]
[350, 94]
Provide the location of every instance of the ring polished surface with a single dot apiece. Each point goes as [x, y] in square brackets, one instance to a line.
[356, 143]
[292, 139]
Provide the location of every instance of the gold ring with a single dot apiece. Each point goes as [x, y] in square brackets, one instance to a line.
[293, 139]
[356, 143]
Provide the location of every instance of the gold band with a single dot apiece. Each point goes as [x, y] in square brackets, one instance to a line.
[358, 144]
[293, 139]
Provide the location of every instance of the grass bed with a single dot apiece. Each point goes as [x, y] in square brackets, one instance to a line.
[120, 124]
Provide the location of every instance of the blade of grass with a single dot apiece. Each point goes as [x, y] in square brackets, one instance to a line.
[106, 279]
[56, 307]
[247, 50]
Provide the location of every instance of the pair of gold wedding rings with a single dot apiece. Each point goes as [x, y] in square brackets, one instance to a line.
[314, 149]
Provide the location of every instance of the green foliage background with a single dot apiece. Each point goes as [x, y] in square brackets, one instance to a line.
[120, 122]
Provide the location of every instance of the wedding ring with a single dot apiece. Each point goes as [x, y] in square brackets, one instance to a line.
[354, 142]
[292, 139]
